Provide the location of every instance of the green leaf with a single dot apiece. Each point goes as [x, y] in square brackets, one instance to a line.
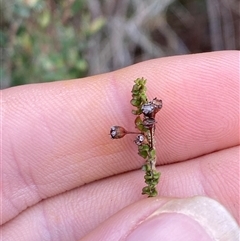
[135, 93]
[150, 191]
[146, 168]
[156, 174]
[146, 190]
[135, 102]
[136, 112]
[155, 182]
[140, 81]
[143, 98]
[135, 89]
[138, 121]
[147, 177]
[143, 153]
[144, 147]
[153, 193]
[152, 154]
[139, 124]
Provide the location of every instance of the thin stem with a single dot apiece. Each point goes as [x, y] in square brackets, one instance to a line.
[152, 138]
[132, 132]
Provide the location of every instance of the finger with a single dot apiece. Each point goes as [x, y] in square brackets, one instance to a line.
[76, 213]
[175, 219]
[55, 135]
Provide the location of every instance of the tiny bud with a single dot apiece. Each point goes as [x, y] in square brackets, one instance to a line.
[117, 132]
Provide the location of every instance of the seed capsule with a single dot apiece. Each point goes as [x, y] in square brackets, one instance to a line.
[117, 132]
[149, 123]
[151, 108]
[157, 104]
[147, 109]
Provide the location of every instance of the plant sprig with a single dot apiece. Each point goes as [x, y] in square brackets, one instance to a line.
[145, 140]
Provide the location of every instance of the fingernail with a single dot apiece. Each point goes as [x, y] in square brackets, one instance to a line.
[197, 218]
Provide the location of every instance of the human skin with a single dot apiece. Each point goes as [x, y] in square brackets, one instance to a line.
[62, 175]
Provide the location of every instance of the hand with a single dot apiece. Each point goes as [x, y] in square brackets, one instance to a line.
[62, 175]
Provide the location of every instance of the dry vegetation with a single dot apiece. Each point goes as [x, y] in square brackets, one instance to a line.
[51, 40]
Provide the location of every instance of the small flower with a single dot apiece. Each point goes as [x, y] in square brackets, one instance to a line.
[148, 109]
[140, 139]
[152, 107]
[117, 132]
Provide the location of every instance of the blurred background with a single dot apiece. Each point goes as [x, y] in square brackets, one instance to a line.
[48, 40]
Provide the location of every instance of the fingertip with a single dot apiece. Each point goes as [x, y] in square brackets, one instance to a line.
[196, 218]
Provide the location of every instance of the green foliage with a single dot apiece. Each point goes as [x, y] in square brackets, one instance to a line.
[46, 42]
[139, 96]
[143, 151]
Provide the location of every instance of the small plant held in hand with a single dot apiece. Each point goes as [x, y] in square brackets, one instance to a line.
[145, 123]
